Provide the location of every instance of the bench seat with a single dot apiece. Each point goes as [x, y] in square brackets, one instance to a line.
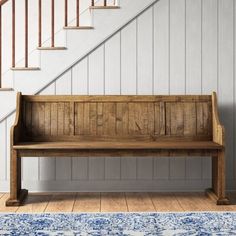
[117, 126]
[82, 145]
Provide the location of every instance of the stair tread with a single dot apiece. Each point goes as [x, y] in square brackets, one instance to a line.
[6, 89]
[25, 68]
[78, 27]
[104, 7]
[51, 48]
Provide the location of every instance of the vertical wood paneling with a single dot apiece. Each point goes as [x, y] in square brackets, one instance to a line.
[47, 166]
[79, 164]
[80, 87]
[96, 168]
[96, 72]
[112, 168]
[177, 67]
[161, 70]
[145, 52]
[226, 75]
[129, 84]
[79, 168]
[161, 47]
[193, 70]
[63, 165]
[122, 119]
[177, 168]
[161, 168]
[112, 65]
[193, 46]
[10, 122]
[209, 60]
[144, 168]
[93, 118]
[193, 164]
[80, 78]
[177, 46]
[128, 168]
[112, 86]
[31, 165]
[129, 59]
[145, 77]
[3, 150]
[209, 46]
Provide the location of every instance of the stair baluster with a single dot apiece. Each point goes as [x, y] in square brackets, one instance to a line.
[52, 22]
[40, 24]
[13, 34]
[66, 13]
[26, 34]
[26, 21]
[77, 13]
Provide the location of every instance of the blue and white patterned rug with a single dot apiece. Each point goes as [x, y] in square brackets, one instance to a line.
[122, 224]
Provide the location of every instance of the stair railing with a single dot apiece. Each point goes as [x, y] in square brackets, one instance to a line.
[39, 18]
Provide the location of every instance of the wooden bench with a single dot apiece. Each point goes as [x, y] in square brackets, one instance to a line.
[73, 126]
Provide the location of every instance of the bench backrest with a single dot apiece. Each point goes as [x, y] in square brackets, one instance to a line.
[54, 118]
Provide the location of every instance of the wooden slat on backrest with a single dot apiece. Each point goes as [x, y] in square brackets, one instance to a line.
[48, 119]
[191, 119]
[117, 117]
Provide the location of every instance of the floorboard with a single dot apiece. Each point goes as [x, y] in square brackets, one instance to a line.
[35, 203]
[113, 202]
[165, 202]
[139, 202]
[198, 202]
[3, 208]
[117, 202]
[61, 203]
[87, 202]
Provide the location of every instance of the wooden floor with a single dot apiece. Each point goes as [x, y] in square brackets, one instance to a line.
[117, 202]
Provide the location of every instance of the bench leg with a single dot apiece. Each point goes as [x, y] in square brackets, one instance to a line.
[17, 195]
[218, 179]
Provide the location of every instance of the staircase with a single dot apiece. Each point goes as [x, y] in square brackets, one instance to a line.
[56, 41]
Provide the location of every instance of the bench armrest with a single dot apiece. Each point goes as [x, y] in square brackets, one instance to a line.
[218, 129]
[16, 130]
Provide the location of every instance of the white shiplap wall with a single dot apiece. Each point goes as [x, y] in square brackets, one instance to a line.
[175, 47]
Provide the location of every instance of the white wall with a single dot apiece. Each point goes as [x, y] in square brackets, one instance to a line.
[175, 47]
